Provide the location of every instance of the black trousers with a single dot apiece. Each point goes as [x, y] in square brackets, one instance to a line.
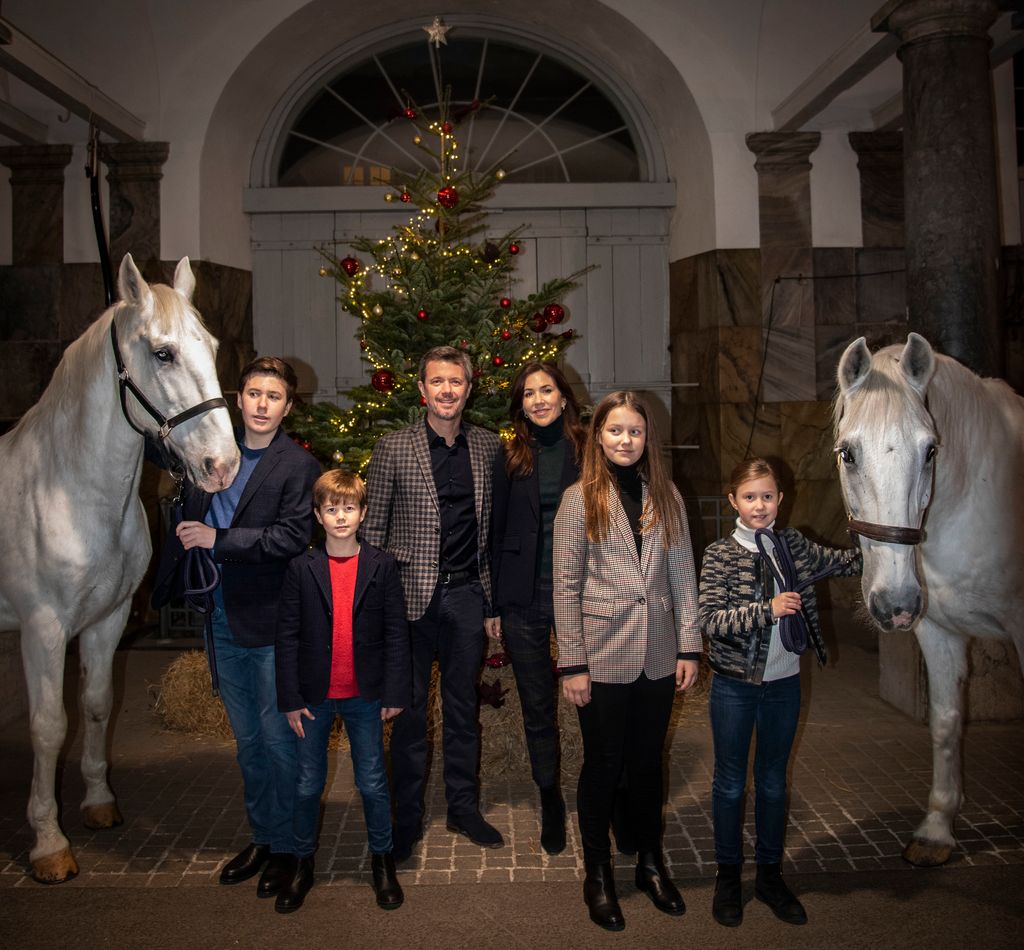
[452, 630]
[623, 728]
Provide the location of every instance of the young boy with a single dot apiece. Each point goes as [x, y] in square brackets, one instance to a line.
[342, 649]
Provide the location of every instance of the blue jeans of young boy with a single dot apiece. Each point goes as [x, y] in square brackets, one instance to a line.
[736, 708]
[365, 731]
[264, 742]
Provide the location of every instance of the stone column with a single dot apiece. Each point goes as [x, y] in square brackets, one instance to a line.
[134, 170]
[880, 161]
[37, 199]
[784, 202]
[952, 222]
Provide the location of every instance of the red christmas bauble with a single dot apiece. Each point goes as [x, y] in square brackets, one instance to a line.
[504, 303]
[409, 113]
[513, 248]
[423, 400]
[464, 344]
[554, 313]
[422, 314]
[406, 197]
[506, 334]
[446, 127]
[350, 266]
[498, 361]
[448, 197]
[537, 323]
[306, 444]
[383, 380]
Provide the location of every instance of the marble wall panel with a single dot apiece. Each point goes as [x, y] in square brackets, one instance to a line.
[696, 472]
[829, 344]
[818, 511]
[789, 373]
[738, 363]
[835, 285]
[807, 439]
[784, 205]
[881, 286]
[25, 371]
[29, 302]
[789, 301]
[82, 299]
[684, 302]
[737, 284]
[743, 433]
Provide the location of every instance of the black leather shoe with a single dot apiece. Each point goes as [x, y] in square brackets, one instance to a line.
[472, 825]
[404, 839]
[291, 896]
[652, 878]
[385, 881]
[552, 820]
[277, 875]
[599, 896]
[771, 889]
[246, 864]
[727, 904]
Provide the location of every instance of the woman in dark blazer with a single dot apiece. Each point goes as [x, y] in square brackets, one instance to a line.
[538, 464]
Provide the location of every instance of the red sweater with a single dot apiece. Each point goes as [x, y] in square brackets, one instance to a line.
[343, 587]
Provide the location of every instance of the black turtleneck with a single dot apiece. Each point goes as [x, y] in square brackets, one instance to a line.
[631, 494]
[551, 447]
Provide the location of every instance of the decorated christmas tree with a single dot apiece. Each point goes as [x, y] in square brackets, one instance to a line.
[440, 279]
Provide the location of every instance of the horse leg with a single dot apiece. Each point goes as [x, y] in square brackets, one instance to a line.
[96, 649]
[945, 657]
[43, 646]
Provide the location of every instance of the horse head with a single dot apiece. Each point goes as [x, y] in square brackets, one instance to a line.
[169, 367]
[885, 450]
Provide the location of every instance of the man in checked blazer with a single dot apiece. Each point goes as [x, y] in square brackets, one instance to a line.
[429, 494]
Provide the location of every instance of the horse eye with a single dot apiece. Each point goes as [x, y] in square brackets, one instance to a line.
[164, 355]
[930, 454]
[846, 455]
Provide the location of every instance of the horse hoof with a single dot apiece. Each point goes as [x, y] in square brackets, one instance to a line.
[55, 868]
[97, 817]
[927, 854]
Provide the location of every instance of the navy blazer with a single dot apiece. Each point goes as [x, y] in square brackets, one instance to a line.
[305, 631]
[516, 529]
[272, 523]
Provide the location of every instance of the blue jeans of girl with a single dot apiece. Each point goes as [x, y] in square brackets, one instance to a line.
[737, 709]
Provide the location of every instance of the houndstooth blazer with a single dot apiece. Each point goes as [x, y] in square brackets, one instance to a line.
[403, 516]
[616, 613]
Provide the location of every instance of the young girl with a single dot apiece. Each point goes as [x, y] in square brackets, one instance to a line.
[756, 684]
[626, 621]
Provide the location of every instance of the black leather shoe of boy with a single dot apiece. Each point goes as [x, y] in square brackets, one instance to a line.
[385, 882]
[652, 878]
[291, 896]
[277, 874]
[473, 826]
[246, 864]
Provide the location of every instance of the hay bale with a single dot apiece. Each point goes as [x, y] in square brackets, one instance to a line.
[184, 699]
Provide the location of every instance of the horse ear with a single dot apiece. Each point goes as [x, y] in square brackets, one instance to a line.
[917, 362]
[132, 287]
[854, 366]
[184, 279]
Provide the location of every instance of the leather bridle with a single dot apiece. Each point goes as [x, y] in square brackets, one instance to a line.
[893, 534]
[126, 384]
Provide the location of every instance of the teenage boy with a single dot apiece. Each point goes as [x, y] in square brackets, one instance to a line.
[253, 529]
[342, 650]
[429, 488]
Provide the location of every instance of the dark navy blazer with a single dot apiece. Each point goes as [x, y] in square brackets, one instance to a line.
[272, 523]
[516, 529]
[305, 631]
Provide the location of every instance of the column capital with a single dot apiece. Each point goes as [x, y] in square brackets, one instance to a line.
[134, 161]
[39, 163]
[783, 149]
[914, 20]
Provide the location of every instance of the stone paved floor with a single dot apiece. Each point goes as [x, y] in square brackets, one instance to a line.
[859, 782]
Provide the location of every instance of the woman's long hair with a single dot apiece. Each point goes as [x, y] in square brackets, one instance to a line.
[519, 449]
[597, 480]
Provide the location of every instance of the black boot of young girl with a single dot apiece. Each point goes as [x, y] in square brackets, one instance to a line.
[771, 889]
[727, 904]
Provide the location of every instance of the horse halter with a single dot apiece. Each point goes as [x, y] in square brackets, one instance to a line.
[894, 534]
[127, 384]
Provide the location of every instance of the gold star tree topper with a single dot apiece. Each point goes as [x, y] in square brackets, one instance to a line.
[436, 32]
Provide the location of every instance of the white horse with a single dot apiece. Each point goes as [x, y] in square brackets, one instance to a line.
[74, 542]
[919, 439]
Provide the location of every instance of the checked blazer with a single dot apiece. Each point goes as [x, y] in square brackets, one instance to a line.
[403, 514]
[616, 613]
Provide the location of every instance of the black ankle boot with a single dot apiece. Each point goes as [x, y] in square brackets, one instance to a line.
[652, 878]
[385, 881]
[552, 820]
[599, 896]
[771, 889]
[291, 896]
[727, 904]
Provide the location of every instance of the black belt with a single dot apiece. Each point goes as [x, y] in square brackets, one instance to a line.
[456, 578]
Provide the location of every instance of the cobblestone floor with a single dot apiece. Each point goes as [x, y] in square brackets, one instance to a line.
[859, 781]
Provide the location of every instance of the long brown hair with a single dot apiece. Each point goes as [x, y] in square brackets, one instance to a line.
[596, 479]
[518, 450]
[750, 469]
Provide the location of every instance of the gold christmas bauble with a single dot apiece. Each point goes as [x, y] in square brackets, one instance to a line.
[500, 174]
[378, 310]
[323, 271]
[338, 456]
[389, 197]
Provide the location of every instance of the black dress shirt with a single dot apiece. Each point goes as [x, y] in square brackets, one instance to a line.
[453, 478]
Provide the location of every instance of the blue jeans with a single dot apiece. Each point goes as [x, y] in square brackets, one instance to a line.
[366, 739]
[527, 635]
[736, 709]
[264, 742]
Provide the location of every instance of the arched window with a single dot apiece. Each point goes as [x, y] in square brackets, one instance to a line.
[521, 110]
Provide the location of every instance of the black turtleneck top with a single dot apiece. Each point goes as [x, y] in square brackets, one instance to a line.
[631, 494]
[551, 447]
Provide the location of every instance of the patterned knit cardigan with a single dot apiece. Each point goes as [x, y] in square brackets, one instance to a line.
[734, 603]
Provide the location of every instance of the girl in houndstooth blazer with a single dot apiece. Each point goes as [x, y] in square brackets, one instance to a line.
[625, 603]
